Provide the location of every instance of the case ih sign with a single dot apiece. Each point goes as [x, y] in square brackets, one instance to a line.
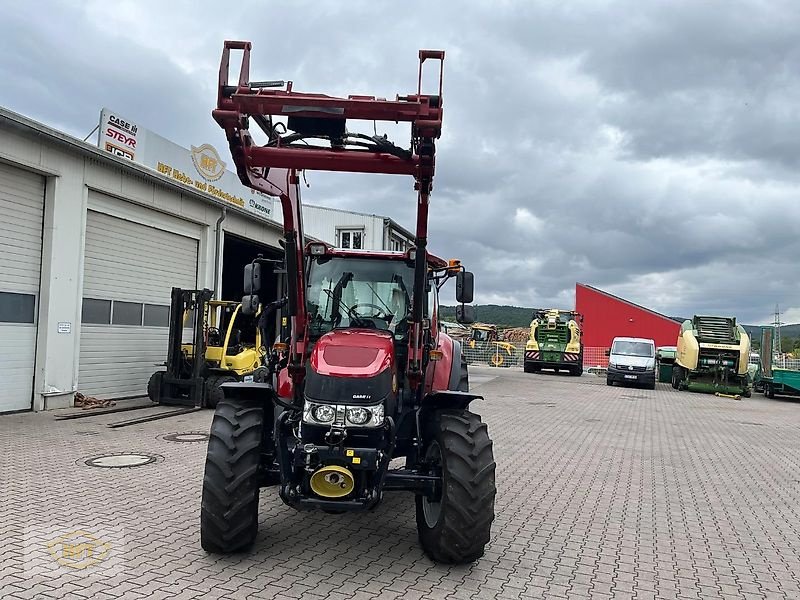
[200, 168]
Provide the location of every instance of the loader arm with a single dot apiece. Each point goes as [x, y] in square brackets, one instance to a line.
[273, 168]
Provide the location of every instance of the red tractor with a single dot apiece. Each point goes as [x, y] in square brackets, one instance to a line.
[361, 373]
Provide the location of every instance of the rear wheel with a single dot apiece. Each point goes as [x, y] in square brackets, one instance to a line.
[214, 393]
[455, 528]
[229, 511]
[677, 376]
[769, 391]
[154, 385]
[609, 382]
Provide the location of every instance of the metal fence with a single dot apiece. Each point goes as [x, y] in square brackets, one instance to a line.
[511, 355]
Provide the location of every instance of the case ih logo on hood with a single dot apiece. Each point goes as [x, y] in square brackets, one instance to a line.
[208, 162]
[361, 396]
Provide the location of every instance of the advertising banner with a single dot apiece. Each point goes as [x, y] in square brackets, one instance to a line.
[200, 168]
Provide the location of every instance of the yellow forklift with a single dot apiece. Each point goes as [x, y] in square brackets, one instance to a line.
[228, 341]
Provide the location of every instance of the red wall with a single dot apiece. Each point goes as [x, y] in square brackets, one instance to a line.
[606, 317]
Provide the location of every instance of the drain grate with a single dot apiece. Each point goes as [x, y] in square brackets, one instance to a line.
[121, 460]
[189, 437]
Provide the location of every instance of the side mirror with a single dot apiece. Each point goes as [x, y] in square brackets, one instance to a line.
[465, 287]
[250, 304]
[252, 278]
[465, 314]
[608, 352]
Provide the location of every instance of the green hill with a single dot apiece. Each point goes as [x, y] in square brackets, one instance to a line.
[518, 316]
[502, 316]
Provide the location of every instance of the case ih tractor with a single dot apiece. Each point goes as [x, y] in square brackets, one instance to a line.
[364, 375]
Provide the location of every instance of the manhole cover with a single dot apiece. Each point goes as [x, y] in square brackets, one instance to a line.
[121, 460]
[188, 437]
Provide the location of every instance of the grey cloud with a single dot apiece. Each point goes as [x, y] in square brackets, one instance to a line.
[649, 149]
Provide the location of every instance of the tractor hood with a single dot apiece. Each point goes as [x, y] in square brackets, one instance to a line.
[353, 353]
[351, 365]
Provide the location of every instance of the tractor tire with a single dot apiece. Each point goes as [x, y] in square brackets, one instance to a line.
[214, 393]
[576, 371]
[651, 386]
[229, 510]
[609, 382]
[528, 368]
[456, 529]
[769, 391]
[677, 376]
[154, 385]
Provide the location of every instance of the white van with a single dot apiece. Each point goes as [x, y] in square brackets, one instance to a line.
[632, 360]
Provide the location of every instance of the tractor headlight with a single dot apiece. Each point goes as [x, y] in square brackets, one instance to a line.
[323, 413]
[343, 415]
[358, 415]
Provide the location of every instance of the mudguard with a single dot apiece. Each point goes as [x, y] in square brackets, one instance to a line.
[455, 366]
[448, 399]
[251, 390]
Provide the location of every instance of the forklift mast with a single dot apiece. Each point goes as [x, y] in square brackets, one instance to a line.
[273, 168]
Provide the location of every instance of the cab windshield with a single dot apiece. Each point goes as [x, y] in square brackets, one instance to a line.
[626, 348]
[358, 292]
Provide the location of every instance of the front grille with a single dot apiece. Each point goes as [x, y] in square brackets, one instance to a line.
[716, 330]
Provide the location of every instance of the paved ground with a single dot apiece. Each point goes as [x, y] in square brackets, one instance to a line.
[601, 490]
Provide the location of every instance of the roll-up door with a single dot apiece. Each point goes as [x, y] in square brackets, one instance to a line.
[129, 272]
[21, 207]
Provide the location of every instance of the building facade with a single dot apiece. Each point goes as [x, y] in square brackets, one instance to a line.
[607, 316]
[92, 241]
[355, 230]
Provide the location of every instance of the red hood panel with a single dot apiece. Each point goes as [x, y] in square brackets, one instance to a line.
[353, 353]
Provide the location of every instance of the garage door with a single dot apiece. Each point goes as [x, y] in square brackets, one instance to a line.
[129, 272]
[21, 207]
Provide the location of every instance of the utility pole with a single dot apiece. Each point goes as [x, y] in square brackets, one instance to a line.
[777, 325]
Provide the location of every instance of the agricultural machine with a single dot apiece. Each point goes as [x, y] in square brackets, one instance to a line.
[773, 380]
[484, 345]
[713, 353]
[555, 342]
[362, 374]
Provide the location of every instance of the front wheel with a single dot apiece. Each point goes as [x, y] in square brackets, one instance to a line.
[229, 510]
[455, 528]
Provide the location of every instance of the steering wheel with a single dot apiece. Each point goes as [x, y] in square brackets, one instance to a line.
[380, 314]
[214, 337]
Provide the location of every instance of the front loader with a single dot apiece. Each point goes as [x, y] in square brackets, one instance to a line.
[362, 374]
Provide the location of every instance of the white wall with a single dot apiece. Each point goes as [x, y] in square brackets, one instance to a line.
[321, 223]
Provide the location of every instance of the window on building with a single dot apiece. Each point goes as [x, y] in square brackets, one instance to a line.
[396, 244]
[17, 308]
[96, 311]
[351, 238]
[156, 315]
[127, 313]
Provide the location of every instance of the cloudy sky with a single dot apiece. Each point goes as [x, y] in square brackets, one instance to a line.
[647, 148]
